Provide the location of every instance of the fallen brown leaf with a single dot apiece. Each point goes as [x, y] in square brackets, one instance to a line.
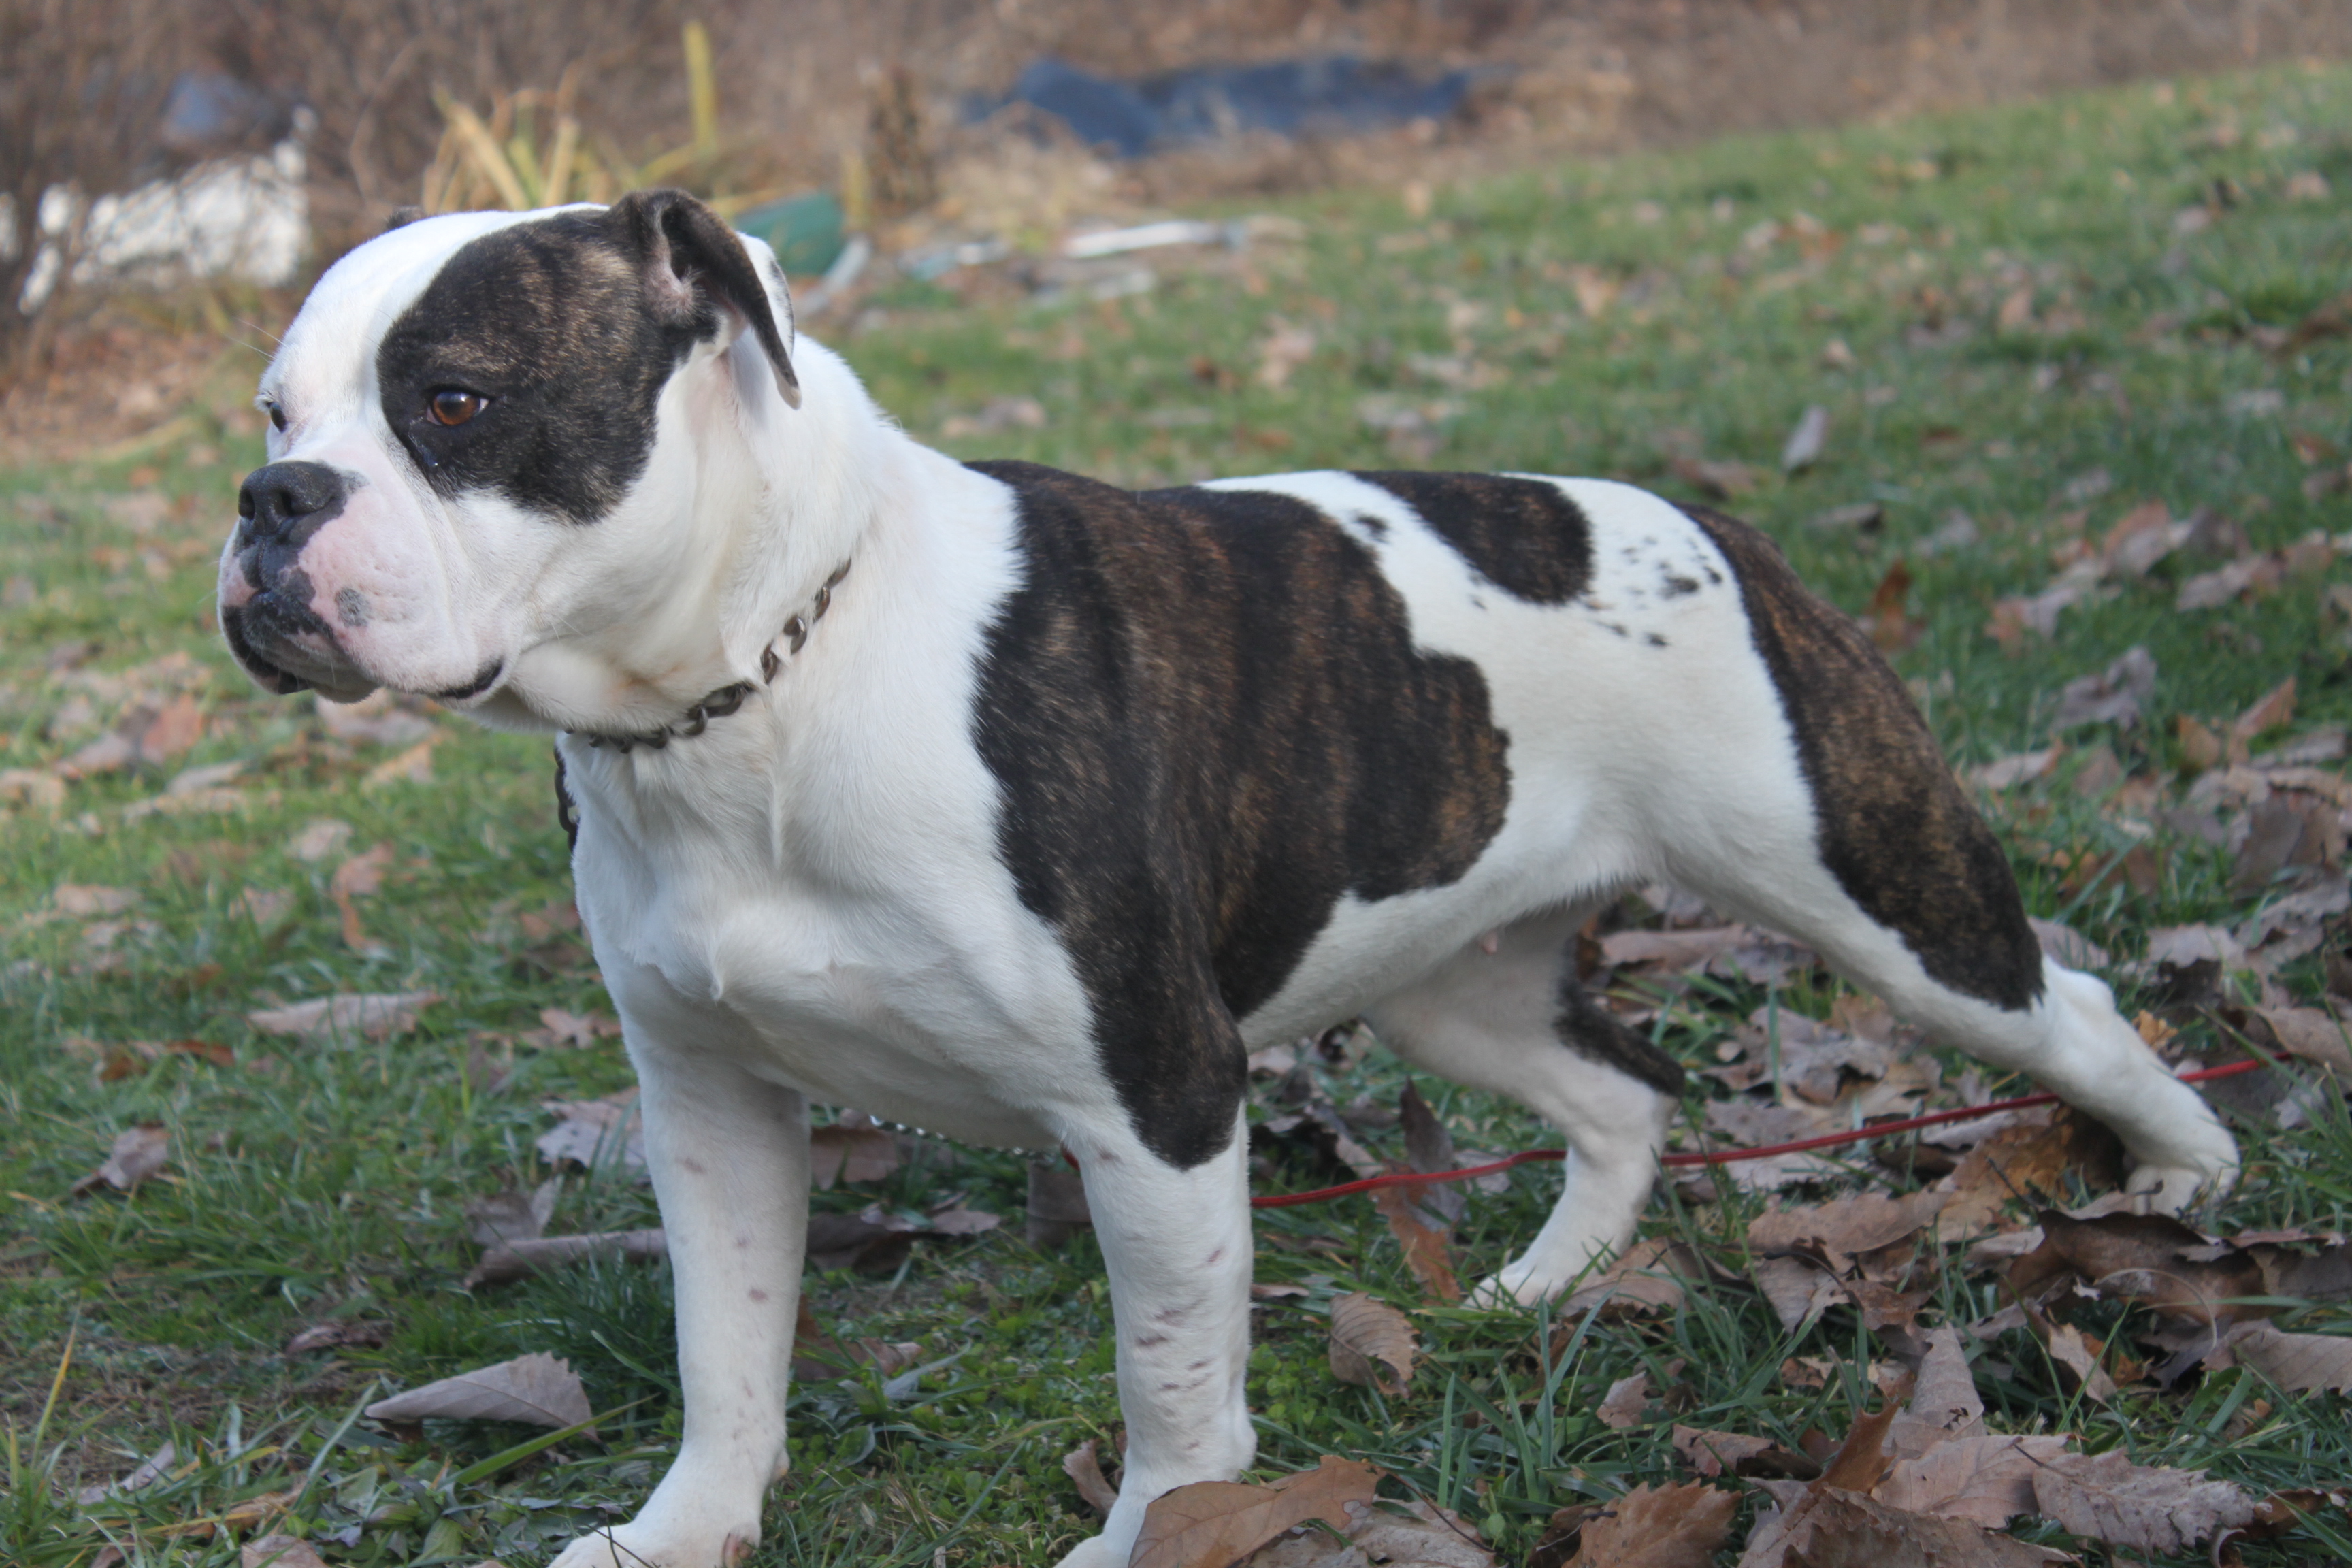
[1659, 1527]
[179, 725]
[2149, 1257]
[2299, 1364]
[1215, 1524]
[1647, 1277]
[1424, 1244]
[1084, 1471]
[82, 901]
[1715, 1454]
[2111, 696]
[1846, 1228]
[138, 1153]
[2271, 710]
[2078, 1355]
[1369, 1337]
[146, 1473]
[511, 1214]
[2135, 1508]
[1058, 1205]
[328, 1019]
[1892, 624]
[278, 1552]
[536, 1389]
[1835, 1528]
[1627, 1398]
[847, 1152]
[595, 1133]
[1429, 1149]
[1422, 1536]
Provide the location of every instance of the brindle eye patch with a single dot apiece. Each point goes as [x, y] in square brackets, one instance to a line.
[455, 406]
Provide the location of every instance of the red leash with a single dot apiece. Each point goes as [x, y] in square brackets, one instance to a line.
[1725, 1157]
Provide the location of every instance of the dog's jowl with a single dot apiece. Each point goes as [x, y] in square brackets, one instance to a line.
[1020, 807]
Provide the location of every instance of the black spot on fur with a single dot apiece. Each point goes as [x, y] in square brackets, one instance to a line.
[1894, 826]
[1209, 721]
[1594, 1032]
[563, 325]
[1676, 585]
[1523, 536]
[1378, 528]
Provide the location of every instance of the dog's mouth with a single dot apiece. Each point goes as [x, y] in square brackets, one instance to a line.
[286, 649]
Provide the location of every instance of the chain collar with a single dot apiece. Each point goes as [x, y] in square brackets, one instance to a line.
[728, 698]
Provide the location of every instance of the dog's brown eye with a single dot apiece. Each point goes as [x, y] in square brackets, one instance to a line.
[278, 418]
[451, 406]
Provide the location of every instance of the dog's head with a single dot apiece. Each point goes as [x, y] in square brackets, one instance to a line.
[484, 441]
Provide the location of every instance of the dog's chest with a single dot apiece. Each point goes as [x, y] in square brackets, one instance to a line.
[831, 948]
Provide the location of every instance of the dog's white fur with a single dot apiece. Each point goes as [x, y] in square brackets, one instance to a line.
[806, 902]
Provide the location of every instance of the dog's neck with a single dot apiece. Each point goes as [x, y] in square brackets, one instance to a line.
[764, 505]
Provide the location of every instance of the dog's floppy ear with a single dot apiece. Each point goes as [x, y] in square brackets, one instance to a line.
[694, 261]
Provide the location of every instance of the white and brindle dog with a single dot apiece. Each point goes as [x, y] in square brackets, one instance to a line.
[996, 800]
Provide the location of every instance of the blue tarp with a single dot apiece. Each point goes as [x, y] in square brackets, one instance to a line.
[1331, 94]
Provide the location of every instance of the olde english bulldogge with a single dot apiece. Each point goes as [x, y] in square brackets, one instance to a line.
[1001, 801]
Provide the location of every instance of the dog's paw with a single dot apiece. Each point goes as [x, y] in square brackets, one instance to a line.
[2171, 1189]
[2201, 1164]
[633, 1546]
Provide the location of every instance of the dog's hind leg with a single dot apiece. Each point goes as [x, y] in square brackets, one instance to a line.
[1514, 1021]
[1842, 824]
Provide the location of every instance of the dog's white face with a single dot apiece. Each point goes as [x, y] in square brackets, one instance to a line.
[490, 432]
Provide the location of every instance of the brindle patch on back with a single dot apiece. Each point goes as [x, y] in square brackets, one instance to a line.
[1209, 722]
[1523, 536]
[1894, 826]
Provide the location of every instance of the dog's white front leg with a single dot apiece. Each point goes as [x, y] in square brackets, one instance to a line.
[729, 1158]
[1178, 1247]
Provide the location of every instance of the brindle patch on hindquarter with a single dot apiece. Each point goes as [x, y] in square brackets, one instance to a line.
[1524, 536]
[1209, 722]
[1894, 827]
[548, 319]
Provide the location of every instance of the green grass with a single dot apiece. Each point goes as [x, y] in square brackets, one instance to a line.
[311, 1183]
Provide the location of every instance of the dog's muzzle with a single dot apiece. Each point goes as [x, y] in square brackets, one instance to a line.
[274, 633]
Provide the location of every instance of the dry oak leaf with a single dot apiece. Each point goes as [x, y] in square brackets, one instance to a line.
[1084, 1471]
[1714, 1454]
[1369, 1336]
[2299, 1364]
[1216, 1524]
[1647, 1277]
[846, 1152]
[1423, 1536]
[520, 1259]
[1944, 1400]
[278, 1552]
[2106, 1498]
[538, 1390]
[1846, 1228]
[138, 1153]
[377, 1015]
[83, 901]
[1833, 1528]
[1423, 1243]
[1623, 1405]
[1658, 1527]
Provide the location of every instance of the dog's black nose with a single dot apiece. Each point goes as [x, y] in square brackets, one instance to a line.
[278, 500]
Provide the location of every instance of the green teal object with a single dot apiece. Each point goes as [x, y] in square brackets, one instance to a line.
[806, 232]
